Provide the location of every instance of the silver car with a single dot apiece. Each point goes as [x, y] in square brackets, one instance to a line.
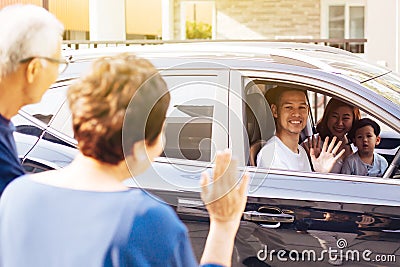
[217, 101]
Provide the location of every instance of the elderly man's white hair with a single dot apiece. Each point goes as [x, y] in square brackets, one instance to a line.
[26, 31]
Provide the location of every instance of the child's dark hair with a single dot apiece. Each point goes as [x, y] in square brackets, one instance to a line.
[362, 123]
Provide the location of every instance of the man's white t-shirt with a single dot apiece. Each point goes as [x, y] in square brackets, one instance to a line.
[275, 154]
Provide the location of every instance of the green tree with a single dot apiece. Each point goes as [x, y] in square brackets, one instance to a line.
[198, 30]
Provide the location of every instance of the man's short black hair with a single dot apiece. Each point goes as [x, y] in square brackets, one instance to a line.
[362, 123]
[273, 95]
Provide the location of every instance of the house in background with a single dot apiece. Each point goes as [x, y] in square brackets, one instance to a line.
[377, 21]
[96, 19]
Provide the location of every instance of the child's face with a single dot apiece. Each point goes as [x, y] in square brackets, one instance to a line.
[366, 140]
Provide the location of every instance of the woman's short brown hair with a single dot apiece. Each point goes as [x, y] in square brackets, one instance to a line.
[122, 95]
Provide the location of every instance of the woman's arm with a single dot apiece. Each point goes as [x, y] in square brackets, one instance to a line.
[225, 198]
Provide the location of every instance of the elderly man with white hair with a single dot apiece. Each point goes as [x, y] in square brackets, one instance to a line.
[30, 59]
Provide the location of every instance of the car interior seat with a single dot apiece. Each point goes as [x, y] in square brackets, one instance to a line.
[260, 123]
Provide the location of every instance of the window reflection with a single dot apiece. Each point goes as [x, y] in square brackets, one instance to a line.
[189, 122]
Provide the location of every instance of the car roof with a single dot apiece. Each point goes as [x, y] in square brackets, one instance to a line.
[250, 55]
[305, 55]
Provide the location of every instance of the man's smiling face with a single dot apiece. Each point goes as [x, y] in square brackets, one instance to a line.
[291, 112]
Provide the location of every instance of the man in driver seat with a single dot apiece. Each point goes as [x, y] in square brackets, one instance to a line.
[290, 110]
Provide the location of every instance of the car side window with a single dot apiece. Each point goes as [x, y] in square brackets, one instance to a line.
[49, 105]
[34, 119]
[62, 122]
[256, 90]
[189, 122]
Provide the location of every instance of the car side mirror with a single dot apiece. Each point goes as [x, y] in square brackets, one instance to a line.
[393, 169]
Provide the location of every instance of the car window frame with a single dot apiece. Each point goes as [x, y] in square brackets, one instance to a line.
[329, 88]
[219, 137]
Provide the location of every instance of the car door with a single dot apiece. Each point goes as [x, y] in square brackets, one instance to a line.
[195, 128]
[314, 218]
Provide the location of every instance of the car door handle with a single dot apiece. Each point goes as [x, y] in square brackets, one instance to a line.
[256, 216]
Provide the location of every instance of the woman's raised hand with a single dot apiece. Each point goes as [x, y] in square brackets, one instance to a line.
[314, 142]
[224, 196]
[327, 157]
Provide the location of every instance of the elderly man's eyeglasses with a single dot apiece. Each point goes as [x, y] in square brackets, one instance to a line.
[62, 63]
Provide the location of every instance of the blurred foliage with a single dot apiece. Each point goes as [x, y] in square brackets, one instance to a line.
[198, 30]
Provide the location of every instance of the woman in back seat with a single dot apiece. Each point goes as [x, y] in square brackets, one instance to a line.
[338, 119]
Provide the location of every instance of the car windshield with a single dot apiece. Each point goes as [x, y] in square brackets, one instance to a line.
[387, 85]
[376, 78]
